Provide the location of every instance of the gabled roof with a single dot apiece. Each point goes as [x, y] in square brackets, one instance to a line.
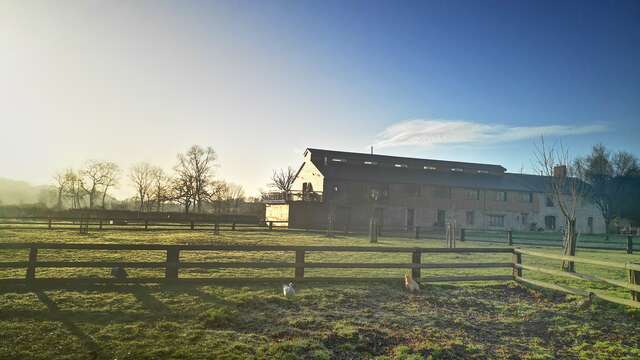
[381, 168]
[390, 161]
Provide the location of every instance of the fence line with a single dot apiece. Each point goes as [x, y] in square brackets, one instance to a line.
[172, 265]
[633, 270]
[623, 242]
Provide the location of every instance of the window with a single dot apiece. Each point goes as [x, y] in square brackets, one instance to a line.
[471, 194]
[441, 217]
[496, 220]
[371, 163]
[550, 222]
[526, 197]
[338, 160]
[457, 169]
[410, 218]
[524, 217]
[549, 201]
[501, 196]
[483, 172]
[426, 167]
[441, 192]
[307, 187]
[470, 218]
[400, 165]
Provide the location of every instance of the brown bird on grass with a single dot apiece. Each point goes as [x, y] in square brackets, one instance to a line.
[410, 284]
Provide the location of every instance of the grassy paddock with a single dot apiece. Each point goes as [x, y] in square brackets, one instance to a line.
[325, 320]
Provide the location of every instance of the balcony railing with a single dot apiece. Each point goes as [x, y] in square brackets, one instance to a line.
[284, 196]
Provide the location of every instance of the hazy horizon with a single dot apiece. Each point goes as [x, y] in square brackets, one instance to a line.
[261, 81]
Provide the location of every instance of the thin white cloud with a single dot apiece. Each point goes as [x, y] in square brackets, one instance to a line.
[439, 131]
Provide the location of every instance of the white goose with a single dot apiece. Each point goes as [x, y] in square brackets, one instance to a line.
[288, 290]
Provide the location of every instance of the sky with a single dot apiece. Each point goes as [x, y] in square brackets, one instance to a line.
[260, 81]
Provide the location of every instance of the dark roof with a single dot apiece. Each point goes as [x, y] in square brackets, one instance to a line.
[410, 162]
[494, 180]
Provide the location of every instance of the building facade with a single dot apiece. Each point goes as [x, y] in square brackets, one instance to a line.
[406, 192]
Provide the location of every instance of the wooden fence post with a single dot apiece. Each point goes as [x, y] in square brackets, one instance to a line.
[31, 268]
[270, 225]
[146, 224]
[100, 225]
[299, 272]
[233, 226]
[49, 225]
[216, 228]
[629, 244]
[192, 225]
[517, 260]
[416, 259]
[172, 264]
[462, 234]
[510, 237]
[417, 232]
[634, 279]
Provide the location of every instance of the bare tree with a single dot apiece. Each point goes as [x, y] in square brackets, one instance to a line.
[283, 180]
[110, 174]
[182, 187]
[61, 183]
[603, 171]
[160, 187]
[141, 176]
[73, 188]
[217, 193]
[566, 190]
[234, 195]
[195, 167]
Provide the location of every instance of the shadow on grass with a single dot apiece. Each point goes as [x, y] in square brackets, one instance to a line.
[55, 314]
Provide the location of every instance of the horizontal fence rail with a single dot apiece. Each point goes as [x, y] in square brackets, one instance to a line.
[172, 264]
[633, 271]
[534, 238]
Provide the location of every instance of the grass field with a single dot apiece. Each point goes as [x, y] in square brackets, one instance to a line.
[325, 320]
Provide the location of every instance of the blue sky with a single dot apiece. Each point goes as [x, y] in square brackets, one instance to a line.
[261, 80]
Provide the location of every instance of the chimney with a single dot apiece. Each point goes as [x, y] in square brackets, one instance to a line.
[560, 171]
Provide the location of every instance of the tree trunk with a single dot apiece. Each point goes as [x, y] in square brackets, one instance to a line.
[569, 245]
[59, 205]
[373, 230]
[104, 195]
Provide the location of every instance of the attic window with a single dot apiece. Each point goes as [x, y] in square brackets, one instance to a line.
[371, 163]
[339, 160]
[429, 167]
[457, 169]
[483, 172]
[400, 165]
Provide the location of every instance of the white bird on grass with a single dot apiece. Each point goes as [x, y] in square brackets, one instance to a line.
[288, 290]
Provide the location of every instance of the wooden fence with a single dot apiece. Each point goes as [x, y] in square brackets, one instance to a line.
[585, 241]
[173, 264]
[633, 270]
[93, 224]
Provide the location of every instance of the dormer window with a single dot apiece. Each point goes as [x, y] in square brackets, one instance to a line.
[400, 165]
[338, 160]
[371, 163]
[426, 167]
[457, 169]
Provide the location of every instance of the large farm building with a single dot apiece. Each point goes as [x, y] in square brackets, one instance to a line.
[407, 192]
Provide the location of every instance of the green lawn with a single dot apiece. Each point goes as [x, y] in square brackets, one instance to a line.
[325, 320]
